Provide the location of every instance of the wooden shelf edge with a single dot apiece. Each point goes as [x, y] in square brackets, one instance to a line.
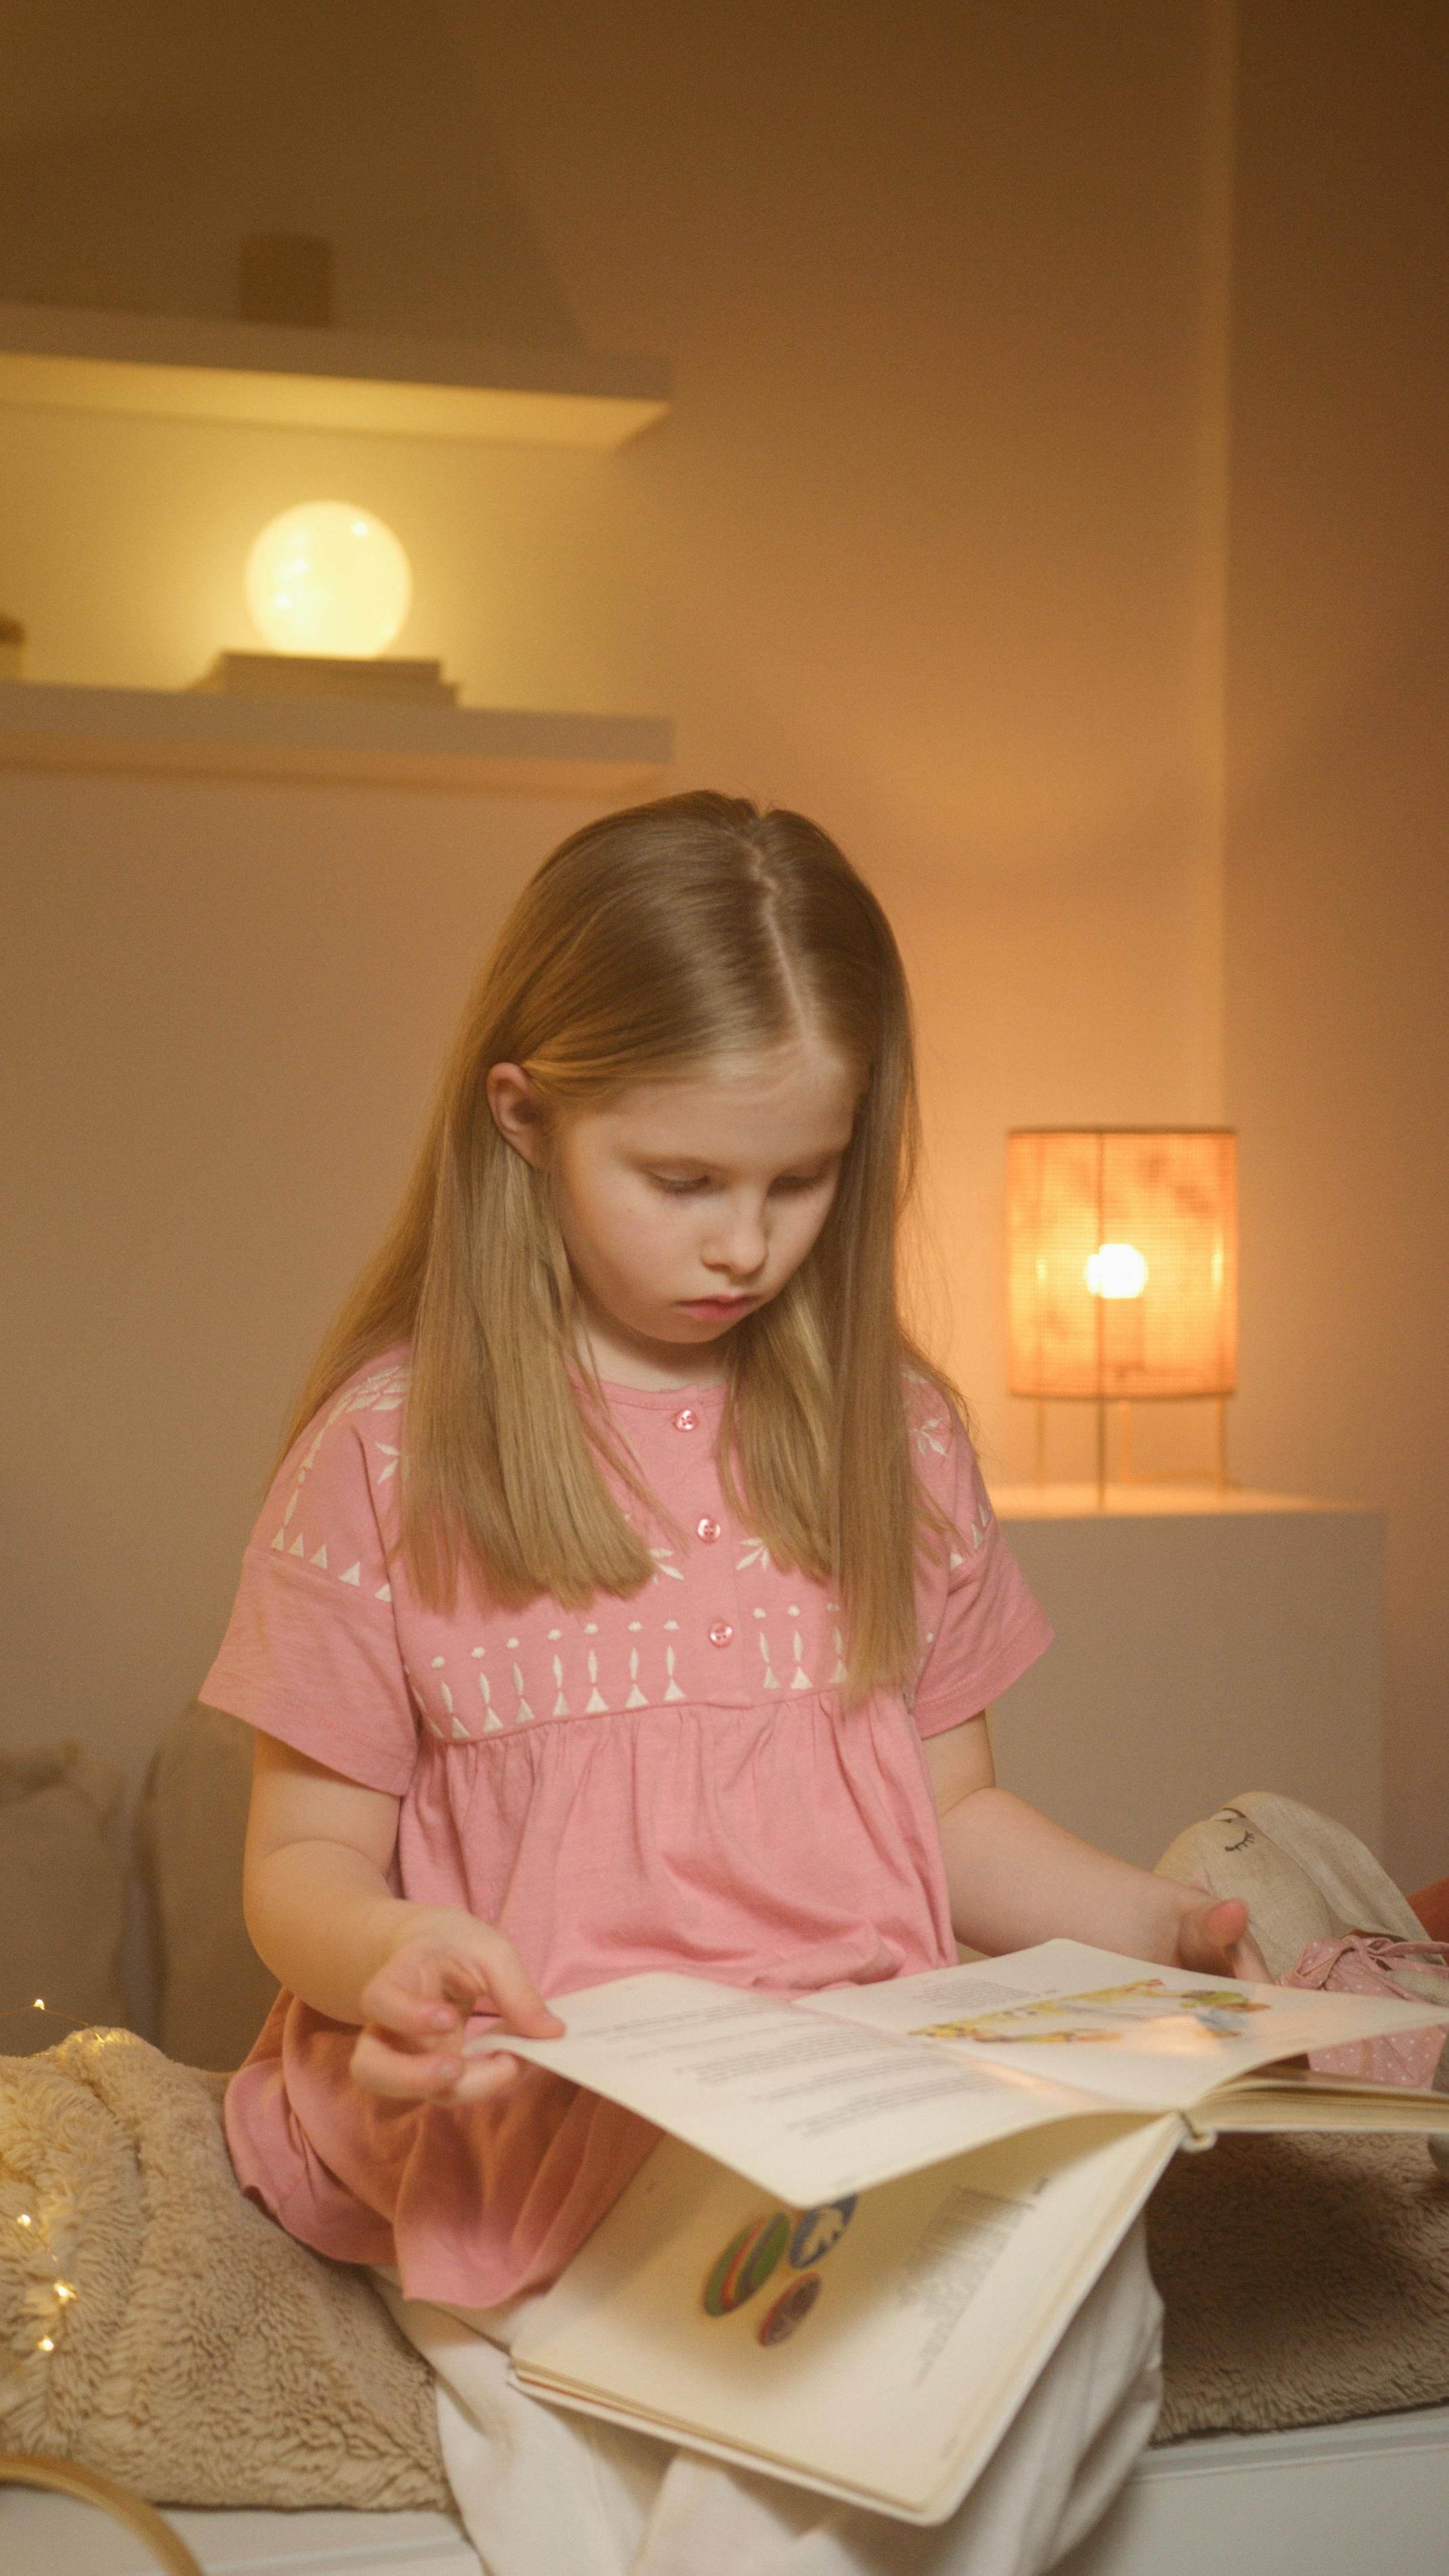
[160, 366]
[177, 733]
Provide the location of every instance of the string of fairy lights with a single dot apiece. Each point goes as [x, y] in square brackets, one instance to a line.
[52, 2295]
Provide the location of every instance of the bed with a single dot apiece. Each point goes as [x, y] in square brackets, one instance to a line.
[1332, 2500]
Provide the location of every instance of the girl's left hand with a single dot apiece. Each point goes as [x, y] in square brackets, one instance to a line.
[1213, 1938]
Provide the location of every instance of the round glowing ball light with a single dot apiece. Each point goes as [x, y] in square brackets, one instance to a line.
[328, 578]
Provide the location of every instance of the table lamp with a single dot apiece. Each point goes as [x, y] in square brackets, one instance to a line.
[328, 587]
[1122, 1273]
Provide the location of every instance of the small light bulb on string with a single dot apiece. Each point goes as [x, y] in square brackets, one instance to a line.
[46, 2344]
[25, 2219]
[65, 2290]
[39, 2004]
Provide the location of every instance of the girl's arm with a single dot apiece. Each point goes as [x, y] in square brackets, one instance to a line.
[1015, 1878]
[321, 1914]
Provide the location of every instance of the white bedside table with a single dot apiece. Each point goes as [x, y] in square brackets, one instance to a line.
[1205, 1644]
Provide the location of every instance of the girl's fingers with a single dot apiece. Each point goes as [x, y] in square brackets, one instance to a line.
[519, 2002]
[407, 2075]
[1209, 1935]
[420, 2017]
[402, 2073]
[485, 2075]
[416, 2005]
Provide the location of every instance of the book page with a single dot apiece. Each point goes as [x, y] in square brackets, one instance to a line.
[1293, 2098]
[808, 2108]
[1131, 2033]
[876, 2347]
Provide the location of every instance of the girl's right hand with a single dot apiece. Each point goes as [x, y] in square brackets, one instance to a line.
[415, 2011]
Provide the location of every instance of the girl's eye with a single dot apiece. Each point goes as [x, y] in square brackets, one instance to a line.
[675, 1188]
[798, 1181]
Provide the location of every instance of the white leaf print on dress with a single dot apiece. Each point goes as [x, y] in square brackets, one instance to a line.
[926, 1439]
[660, 1554]
[756, 1554]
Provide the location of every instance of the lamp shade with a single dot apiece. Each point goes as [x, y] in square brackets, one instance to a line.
[1122, 1261]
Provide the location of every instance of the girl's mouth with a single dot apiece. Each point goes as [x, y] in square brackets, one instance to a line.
[717, 1309]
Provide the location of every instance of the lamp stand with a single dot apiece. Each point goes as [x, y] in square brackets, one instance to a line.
[1215, 1476]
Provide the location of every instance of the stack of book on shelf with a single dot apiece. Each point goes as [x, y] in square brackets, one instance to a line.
[875, 2210]
[351, 677]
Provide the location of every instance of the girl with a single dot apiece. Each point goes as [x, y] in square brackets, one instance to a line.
[628, 1598]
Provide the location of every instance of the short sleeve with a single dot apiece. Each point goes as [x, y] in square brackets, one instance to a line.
[982, 1626]
[311, 1651]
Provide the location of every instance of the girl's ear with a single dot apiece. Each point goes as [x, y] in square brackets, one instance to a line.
[517, 1111]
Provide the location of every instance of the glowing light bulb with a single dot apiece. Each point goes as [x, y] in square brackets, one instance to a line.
[40, 2003]
[46, 2344]
[25, 2219]
[328, 578]
[1115, 1270]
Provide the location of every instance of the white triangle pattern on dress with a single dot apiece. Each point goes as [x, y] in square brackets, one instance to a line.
[801, 1679]
[595, 1702]
[770, 1681]
[523, 1710]
[320, 1558]
[560, 1706]
[671, 1687]
[636, 1698]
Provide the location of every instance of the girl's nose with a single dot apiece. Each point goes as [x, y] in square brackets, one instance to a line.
[737, 1242]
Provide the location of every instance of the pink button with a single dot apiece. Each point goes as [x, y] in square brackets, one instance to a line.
[686, 1419]
[721, 1633]
[707, 1529]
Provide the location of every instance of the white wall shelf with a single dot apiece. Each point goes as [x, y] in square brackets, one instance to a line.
[162, 366]
[505, 750]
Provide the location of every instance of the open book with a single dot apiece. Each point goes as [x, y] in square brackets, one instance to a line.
[877, 2209]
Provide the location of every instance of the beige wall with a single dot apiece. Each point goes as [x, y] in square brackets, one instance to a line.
[1338, 875]
[933, 545]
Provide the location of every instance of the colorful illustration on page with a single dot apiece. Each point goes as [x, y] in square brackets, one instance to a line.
[1108, 2013]
[754, 2253]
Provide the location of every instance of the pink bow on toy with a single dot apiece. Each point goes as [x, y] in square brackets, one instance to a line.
[1359, 1964]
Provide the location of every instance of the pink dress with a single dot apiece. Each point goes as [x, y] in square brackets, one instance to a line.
[664, 1782]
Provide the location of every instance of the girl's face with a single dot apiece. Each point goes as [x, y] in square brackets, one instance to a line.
[686, 1204]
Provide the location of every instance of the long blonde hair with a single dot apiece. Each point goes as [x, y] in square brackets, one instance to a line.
[654, 940]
